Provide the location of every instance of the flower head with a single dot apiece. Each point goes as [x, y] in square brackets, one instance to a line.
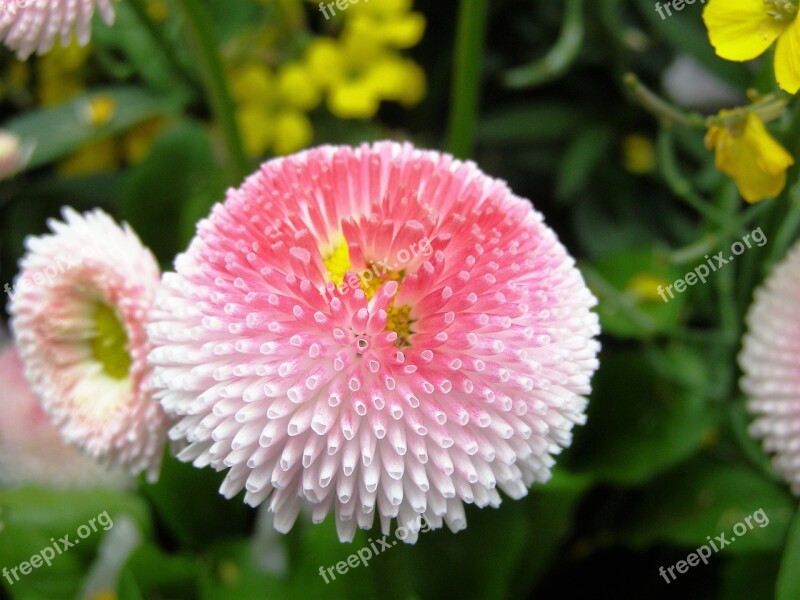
[31, 449]
[78, 311]
[374, 330]
[29, 26]
[741, 30]
[748, 154]
[770, 361]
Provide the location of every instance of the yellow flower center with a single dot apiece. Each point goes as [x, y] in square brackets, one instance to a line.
[337, 262]
[110, 343]
[782, 10]
[100, 110]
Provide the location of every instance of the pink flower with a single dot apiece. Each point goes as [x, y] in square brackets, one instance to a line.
[374, 330]
[770, 360]
[29, 26]
[78, 309]
[31, 450]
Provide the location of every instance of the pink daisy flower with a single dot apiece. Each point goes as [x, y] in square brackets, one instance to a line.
[29, 26]
[771, 367]
[78, 308]
[31, 449]
[380, 330]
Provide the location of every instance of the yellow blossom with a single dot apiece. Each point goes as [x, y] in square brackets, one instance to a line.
[60, 74]
[138, 141]
[297, 86]
[741, 30]
[748, 154]
[97, 157]
[645, 286]
[638, 154]
[270, 107]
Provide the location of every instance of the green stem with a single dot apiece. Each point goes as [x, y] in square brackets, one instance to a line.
[669, 114]
[561, 55]
[466, 83]
[681, 186]
[202, 39]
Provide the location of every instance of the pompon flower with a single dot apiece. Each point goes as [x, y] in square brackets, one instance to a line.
[770, 361]
[28, 26]
[31, 449]
[78, 309]
[741, 30]
[380, 330]
[746, 152]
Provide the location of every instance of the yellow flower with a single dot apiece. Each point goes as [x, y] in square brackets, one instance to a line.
[297, 87]
[645, 287]
[638, 154]
[390, 22]
[270, 107]
[293, 132]
[97, 157]
[358, 73]
[60, 74]
[748, 154]
[138, 141]
[741, 30]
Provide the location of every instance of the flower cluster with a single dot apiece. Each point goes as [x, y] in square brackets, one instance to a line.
[352, 72]
[363, 66]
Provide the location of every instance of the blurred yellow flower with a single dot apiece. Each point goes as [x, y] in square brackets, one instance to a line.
[60, 74]
[748, 154]
[97, 157]
[359, 75]
[389, 21]
[270, 107]
[741, 30]
[645, 287]
[99, 110]
[638, 154]
[138, 141]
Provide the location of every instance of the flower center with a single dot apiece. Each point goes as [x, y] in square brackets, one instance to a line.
[370, 281]
[781, 10]
[110, 343]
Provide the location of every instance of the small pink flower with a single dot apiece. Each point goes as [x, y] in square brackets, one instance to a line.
[770, 360]
[78, 309]
[29, 26]
[31, 449]
[380, 330]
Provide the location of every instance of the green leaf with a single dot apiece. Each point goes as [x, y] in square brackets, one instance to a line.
[788, 587]
[704, 499]
[57, 132]
[582, 156]
[631, 287]
[640, 423]
[156, 573]
[35, 518]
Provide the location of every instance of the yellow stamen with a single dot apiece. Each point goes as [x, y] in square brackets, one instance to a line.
[110, 343]
[337, 262]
